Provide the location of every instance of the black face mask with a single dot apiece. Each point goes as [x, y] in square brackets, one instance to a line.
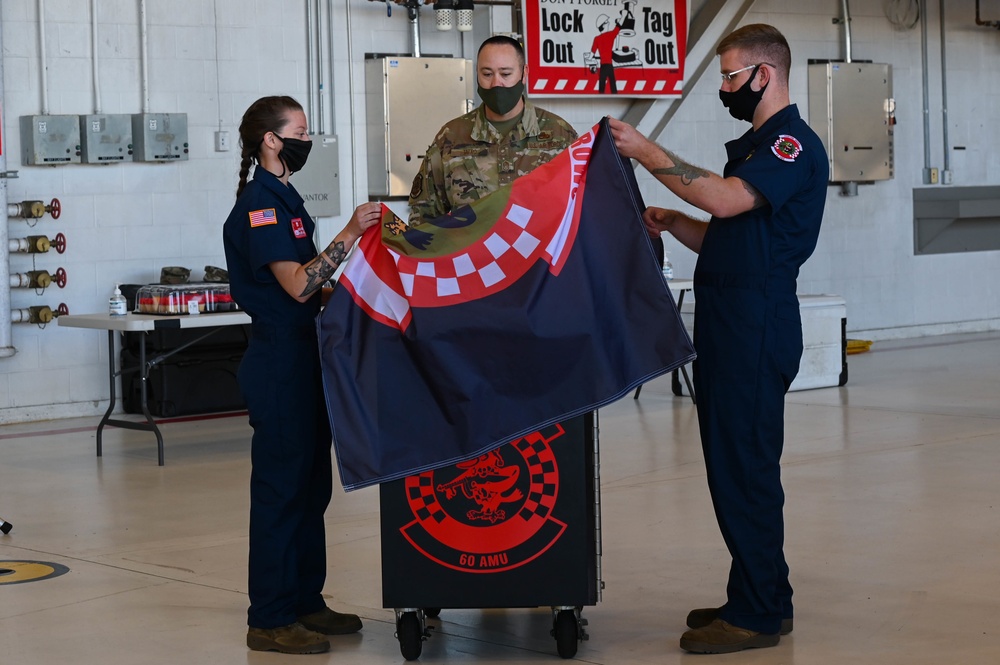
[294, 153]
[743, 102]
[502, 100]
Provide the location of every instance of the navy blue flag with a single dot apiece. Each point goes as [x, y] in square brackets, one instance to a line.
[542, 301]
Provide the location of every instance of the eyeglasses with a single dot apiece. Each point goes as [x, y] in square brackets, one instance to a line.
[728, 78]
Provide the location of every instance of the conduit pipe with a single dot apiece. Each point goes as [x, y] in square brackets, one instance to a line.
[926, 92]
[218, 75]
[6, 347]
[43, 64]
[320, 74]
[847, 32]
[946, 171]
[333, 69]
[144, 49]
[350, 97]
[97, 76]
[310, 60]
[413, 12]
[849, 188]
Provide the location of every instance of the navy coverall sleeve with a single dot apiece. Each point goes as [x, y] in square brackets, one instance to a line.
[268, 240]
[773, 172]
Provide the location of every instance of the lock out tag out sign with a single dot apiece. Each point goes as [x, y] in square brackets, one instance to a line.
[589, 48]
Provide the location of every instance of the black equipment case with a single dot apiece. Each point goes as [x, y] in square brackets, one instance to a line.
[517, 527]
[200, 378]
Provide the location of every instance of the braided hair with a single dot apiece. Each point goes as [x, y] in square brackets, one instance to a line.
[267, 114]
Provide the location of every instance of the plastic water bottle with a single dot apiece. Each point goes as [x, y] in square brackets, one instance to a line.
[668, 268]
[117, 305]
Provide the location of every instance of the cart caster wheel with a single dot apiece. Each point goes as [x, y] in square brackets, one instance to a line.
[566, 630]
[432, 612]
[410, 635]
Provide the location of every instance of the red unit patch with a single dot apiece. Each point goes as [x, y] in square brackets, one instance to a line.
[297, 228]
[786, 148]
[489, 514]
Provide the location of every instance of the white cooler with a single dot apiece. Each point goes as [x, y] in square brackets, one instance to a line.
[824, 342]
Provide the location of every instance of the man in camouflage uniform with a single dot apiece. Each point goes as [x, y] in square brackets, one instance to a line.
[503, 138]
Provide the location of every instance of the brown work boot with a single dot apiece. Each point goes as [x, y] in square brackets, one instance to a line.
[328, 622]
[722, 637]
[293, 638]
[702, 617]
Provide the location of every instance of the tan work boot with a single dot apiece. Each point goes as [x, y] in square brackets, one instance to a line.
[328, 622]
[722, 637]
[293, 638]
[704, 616]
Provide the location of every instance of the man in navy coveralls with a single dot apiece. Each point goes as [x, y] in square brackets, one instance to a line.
[766, 211]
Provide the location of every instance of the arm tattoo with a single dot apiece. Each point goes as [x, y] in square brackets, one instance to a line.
[688, 173]
[758, 199]
[320, 269]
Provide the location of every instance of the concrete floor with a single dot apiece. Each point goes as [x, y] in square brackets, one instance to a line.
[893, 534]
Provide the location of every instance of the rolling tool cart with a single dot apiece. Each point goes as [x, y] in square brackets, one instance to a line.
[516, 527]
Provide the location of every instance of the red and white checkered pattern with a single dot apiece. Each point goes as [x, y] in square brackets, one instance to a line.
[510, 248]
[385, 283]
[589, 85]
[522, 521]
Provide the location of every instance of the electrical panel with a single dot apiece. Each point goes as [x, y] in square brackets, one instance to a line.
[159, 137]
[852, 109]
[106, 139]
[408, 101]
[50, 140]
[319, 180]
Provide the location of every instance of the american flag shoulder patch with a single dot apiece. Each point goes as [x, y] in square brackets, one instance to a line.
[263, 217]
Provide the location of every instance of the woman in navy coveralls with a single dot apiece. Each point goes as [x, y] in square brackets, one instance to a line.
[766, 211]
[277, 277]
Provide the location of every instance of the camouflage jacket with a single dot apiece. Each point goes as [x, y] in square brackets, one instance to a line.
[469, 159]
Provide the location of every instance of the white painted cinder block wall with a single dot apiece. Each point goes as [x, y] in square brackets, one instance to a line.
[211, 58]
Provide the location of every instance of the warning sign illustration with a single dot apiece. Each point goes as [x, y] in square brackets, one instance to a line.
[587, 48]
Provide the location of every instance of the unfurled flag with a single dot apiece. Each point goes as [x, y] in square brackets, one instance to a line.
[541, 301]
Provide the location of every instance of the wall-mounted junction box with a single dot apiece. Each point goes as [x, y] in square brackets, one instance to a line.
[106, 138]
[852, 109]
[159, 137]
[50, 140]
[408, 100]
[319, 180]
